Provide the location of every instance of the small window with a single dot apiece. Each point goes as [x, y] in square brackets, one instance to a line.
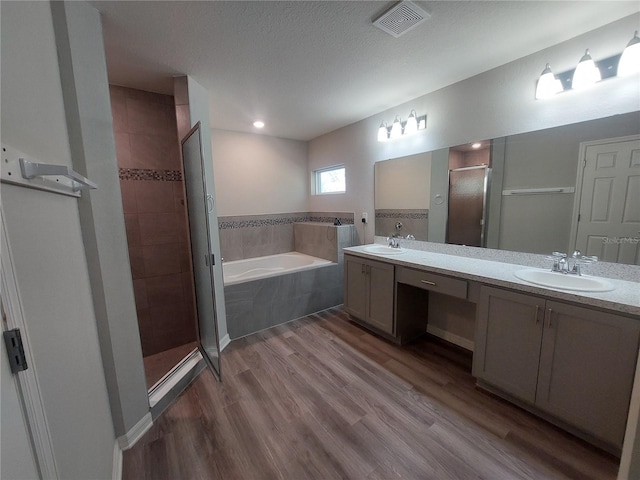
[329, 180]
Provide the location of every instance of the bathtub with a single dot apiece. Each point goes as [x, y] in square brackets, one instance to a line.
[240, 271]
[263, 292]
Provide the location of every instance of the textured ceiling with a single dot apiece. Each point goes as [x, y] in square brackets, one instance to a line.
[309, 67]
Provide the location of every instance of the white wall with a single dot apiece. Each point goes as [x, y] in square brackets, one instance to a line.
[496, 103]
[400, 184]
[46, 239]
[258, 174]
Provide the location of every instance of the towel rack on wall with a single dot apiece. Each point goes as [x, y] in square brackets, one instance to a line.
[538, 191]
[18, 169]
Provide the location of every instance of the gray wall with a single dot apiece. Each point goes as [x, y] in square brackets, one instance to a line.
[548, 158]
[45, 234]
[496, 103]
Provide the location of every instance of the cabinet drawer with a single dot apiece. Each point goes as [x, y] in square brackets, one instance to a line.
[432, 281]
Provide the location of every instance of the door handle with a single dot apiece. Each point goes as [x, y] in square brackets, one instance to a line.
[428, 282]
[550, 315]
[537, 316]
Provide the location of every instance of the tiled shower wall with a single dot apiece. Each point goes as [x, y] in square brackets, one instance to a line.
[250, 236]
[154, 205]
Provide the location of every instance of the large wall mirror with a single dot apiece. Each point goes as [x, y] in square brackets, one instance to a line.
[523, 192]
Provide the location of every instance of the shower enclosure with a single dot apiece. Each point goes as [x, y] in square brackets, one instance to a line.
[467, 205]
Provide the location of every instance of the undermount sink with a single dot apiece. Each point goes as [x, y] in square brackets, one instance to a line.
[546, 278]
[383, 250]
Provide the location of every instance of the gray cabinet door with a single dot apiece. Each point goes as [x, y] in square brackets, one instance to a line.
[587, 366]
[508, 337]
[355, 287]
[380, 306]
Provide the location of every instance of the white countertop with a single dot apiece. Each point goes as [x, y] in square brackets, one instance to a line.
[625, 298]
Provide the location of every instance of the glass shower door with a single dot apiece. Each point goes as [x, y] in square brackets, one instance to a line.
[199, 207]
[467, 199]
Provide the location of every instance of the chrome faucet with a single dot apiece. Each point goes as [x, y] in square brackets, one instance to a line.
[562, 262]
[393, 242]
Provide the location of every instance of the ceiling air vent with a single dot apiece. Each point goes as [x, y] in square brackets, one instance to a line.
[401, 18]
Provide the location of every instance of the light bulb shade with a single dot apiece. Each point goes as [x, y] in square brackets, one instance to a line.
[396, 128]
[548, 84]
[630, 58]
[586, 73]
[383, 133]
[411, 126]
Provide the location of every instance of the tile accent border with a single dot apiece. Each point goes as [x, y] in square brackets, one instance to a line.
[150, 174]
[400, 213]
[246, 221]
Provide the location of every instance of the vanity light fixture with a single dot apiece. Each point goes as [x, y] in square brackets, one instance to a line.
[589, 71]
[586, 72]
[383, 132]
[411, 126]
[258, 124]
[548, 84]
[630, 58]
[396, 128]
[402, 129]
[476, 145]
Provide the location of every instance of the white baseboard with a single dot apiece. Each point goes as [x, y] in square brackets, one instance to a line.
[117, 461]
[224, 341]
[451, 337]
[130, 438]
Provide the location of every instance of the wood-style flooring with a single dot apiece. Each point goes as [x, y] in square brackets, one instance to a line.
[321, 398]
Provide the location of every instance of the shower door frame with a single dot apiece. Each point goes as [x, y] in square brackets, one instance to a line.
[209, 256]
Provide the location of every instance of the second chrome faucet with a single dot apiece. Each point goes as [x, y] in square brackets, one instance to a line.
[572, 265]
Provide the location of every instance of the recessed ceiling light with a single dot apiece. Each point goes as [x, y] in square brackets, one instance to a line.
[476, 145]
[258, 124]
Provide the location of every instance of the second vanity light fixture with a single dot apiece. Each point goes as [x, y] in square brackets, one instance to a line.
[589, 72]
[402, 129]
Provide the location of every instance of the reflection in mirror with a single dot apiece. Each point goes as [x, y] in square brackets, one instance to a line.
[539, 188]
[469, 167]
[402, 197]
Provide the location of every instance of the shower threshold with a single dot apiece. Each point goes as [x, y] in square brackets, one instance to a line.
[167, 389]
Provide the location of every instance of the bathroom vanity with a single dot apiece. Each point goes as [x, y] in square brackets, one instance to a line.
[567, 356]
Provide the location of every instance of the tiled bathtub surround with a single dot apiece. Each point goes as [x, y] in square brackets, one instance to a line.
[323, 240]
[414, 222]
[259, 304]
[256, 305]
[153, 199]
[250, 236]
